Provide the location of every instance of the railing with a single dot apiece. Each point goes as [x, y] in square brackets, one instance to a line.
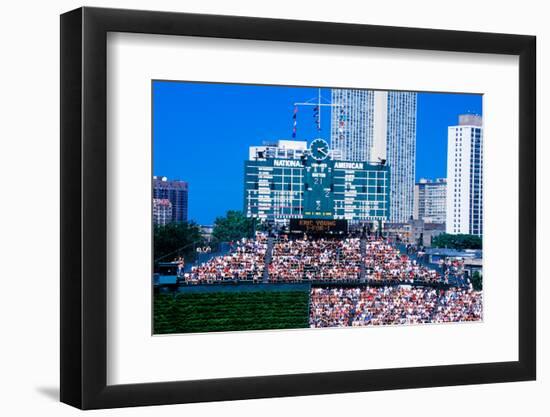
[351, 282]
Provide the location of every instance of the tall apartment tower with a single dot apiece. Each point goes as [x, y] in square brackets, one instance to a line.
[430, 200]
[176, 192]
[377, 126]
[465, 176]
[162, 211]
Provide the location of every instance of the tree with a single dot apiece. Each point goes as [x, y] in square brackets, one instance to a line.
[234, 226]
[460, 241]
[477, 281]
[176, 239]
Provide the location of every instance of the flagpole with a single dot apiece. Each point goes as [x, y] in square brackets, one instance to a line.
[319, 104]
[319, 123]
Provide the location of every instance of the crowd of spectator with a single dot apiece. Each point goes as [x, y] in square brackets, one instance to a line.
[245, 261]
[315, 259]
[452, 266]
[294, 260]
[387, 299]
[384, 262]
[372, 306]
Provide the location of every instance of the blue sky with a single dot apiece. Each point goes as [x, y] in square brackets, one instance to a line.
[201, 134]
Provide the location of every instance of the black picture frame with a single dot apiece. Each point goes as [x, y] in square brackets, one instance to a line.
[84, 207]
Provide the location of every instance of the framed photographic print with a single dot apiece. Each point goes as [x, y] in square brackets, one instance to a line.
[257, 208]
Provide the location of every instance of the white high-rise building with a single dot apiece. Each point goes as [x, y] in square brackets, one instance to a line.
[465, 176]
[430, 200]
[352, 123]
[377, 126]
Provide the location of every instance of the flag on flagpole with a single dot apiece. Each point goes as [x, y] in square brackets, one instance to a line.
[294, 116]
[316, 117]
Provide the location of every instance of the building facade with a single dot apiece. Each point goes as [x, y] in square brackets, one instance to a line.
[352, 122]
[315, 185]
[177, 192]
[285, 149]
[465, 176]
[162, 211]
[430, 200]
[379, 126]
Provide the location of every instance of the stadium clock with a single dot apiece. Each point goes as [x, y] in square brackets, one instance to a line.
[319, 149]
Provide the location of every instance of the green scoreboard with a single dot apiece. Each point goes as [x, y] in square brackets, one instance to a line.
[315, 186]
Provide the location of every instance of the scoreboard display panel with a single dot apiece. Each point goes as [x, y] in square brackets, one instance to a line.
[318, 226]
[318, 191]
[316, 187]
[361, 191]
[274, 189]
